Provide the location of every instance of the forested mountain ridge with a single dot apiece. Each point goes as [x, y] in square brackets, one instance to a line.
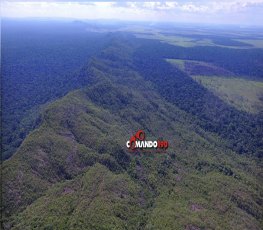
[38, 68]
[74, 171]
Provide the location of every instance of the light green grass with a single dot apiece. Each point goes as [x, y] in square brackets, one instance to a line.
[191, 42]
[176, 40]
[180, 63]
[208, 67]
[243, 94]
[177, 62]
[257, 43]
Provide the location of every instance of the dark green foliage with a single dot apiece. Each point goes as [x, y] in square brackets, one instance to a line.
[75, 172]
[242, 130]
[206, 167]
[226, 40]
[98, 199]
[37, 68]
[200, 68]
[242, 62]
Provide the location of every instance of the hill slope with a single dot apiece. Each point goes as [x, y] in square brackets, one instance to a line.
[74, 171]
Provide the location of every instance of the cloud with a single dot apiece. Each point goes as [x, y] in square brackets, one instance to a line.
[197, 7]
[232, 11]
[148, 5]
[235, 6]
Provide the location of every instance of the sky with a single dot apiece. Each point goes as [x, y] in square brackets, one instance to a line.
[238, 12]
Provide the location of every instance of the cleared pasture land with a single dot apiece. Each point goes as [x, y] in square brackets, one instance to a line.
[243, 94]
